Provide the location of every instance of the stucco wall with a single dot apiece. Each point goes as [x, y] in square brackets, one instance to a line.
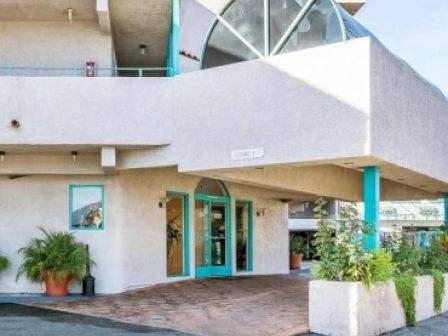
[131, 251]
[409, 118]
[53, 44]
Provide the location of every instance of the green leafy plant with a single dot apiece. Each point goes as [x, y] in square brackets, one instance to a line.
[406, 285]
[435, 256]
[407, 258]
[4, 263]
[297, 245]
[341, 251]
[57, 253]
[439, 289]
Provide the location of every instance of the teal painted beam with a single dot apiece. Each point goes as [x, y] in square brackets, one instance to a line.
[445, 197]
[372, 206]
[174, 41]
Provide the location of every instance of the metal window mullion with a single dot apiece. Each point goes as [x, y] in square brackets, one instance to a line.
[292, 26]
[239, 36]
[267, 27]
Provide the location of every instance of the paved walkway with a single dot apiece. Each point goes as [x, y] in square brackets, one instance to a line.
[260, 305]
[17, 320]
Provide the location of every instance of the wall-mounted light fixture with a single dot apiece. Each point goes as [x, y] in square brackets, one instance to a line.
[70, 14]
[74, 156]
[143, 49]
[260, 212]
[163, 201]
[2, 156]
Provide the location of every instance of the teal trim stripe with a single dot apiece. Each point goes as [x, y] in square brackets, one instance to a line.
[445, 197]
[250, 235]
[372, 206]
[250, 266]
[186, 232]
[173, 58]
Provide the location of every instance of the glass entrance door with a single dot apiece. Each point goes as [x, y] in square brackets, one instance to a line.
[212, 236]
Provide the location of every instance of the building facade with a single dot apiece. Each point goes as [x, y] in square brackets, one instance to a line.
[171, 135]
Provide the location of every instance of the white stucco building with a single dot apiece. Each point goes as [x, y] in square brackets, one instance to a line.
[171, 135]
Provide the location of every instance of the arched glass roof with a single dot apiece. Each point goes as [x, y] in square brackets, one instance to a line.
[251, 29]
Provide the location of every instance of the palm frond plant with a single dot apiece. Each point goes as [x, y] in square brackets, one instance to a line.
[56, 259]
[4, 263]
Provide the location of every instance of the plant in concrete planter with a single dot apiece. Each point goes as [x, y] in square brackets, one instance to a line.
[4, 263]
[297, 248]
[56, 259]
[341, 250]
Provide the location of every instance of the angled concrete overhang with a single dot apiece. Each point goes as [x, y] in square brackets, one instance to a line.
[347, 105]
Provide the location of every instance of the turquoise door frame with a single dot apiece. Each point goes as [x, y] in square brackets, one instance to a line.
[372, 191]
[210, 270]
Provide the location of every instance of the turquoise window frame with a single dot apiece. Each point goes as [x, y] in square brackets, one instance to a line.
[250, 234]
[186, 232]
[71, 188]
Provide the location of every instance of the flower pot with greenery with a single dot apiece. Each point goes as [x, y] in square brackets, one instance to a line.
[297, 249]
[55, 259]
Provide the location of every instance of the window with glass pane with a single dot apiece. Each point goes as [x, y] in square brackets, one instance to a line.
[175, 229]
[243, 236]
[250, 29]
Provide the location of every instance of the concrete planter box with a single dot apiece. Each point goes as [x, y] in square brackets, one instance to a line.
[349, 309]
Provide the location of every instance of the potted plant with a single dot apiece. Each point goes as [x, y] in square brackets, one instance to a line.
[4, 263]
[297, 249]
[55, 259]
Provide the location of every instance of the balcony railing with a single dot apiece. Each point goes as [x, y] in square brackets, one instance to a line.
[23, 71]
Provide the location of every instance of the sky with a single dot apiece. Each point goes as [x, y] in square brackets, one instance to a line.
[415, 30]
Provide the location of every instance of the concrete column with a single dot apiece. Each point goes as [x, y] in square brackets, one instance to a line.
[372, 206]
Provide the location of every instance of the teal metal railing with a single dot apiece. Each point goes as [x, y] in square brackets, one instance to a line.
[26, 71]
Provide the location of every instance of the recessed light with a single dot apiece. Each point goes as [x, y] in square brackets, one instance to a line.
[143, 49]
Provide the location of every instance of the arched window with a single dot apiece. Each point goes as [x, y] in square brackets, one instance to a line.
[212, 187]
[250, 29]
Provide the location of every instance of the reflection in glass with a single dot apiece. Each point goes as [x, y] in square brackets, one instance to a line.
[218, 239]
[201, 229]
[320, 26]
[242, 234]
[174, 235]
[86, 207]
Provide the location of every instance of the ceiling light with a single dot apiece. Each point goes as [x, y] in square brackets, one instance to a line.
[143, 49]
[70, 14]
[74, 156]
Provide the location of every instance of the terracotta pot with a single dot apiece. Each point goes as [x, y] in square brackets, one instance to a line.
[445, 246]
[56, 288]
[295, 261]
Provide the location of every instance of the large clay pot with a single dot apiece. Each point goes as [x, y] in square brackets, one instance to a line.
[54, 287]
[295, 261]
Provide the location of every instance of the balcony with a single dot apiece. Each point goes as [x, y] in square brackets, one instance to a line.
[28, 71]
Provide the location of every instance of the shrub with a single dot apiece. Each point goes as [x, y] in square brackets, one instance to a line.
[341, 250]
